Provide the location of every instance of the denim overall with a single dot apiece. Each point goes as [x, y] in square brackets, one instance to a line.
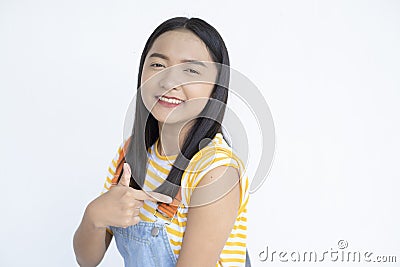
[145, 244]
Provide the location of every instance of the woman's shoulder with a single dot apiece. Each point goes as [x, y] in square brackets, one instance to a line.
[215, 151]
[216, 154]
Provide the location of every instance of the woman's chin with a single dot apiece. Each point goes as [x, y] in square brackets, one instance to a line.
[166, 120]
[171, 120]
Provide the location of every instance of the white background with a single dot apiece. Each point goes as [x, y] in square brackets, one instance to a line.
[329, 71]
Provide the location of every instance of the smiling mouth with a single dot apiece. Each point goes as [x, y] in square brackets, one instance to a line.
[170, 100]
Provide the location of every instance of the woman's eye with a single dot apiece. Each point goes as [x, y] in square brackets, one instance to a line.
[158, 65]
[192, 71]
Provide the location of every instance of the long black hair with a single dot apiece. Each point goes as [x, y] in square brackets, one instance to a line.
[207, 124]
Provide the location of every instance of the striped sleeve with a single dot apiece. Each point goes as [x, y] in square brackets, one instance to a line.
[204, 162]
[112, 169]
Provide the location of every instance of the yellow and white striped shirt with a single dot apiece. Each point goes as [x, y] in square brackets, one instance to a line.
[216, 153]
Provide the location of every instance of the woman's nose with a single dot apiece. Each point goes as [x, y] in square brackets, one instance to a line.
[170, 78]
[168, 84]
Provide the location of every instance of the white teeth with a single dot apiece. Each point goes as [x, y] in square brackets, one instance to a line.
[173, 101]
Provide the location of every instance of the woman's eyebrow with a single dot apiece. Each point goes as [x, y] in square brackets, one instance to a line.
[194, 61]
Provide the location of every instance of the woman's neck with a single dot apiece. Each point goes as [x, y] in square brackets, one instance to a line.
[172, 137]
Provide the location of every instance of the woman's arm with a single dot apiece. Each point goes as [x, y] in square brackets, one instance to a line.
[208, 226]
[90, 242]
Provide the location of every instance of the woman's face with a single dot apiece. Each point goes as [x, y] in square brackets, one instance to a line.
[175, 83]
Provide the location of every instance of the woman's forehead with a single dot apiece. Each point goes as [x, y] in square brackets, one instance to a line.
[180, 44]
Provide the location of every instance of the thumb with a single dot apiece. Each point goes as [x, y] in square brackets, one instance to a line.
[126, 175]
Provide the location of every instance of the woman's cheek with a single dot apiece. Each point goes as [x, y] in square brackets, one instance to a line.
[148, 96]
[194, 106]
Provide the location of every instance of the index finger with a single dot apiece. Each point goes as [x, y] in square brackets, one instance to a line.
[152, 196]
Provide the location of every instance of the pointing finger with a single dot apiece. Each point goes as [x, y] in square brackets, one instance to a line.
[152, 196]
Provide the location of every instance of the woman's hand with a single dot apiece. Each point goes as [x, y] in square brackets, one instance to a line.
[121, 204]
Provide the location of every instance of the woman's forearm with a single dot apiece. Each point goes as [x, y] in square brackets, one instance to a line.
[90, 242]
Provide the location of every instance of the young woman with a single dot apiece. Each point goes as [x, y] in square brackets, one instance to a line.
[176, 194]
